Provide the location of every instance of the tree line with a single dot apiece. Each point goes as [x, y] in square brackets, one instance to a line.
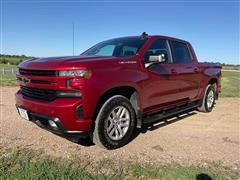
[12, 59]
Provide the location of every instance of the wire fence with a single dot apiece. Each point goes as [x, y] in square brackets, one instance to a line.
[8, 76]
[8, 70]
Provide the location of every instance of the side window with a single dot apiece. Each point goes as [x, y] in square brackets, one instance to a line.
[181, 54]
[129, 50]
[158, 47]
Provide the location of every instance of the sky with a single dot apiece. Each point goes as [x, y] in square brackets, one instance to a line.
[43, 28]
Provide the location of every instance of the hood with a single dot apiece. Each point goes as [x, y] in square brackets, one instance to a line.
[65, 62]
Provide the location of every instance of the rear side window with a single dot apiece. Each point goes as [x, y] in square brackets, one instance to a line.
[181, 54]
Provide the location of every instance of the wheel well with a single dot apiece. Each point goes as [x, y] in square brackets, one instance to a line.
[214, 82]
[126, 91]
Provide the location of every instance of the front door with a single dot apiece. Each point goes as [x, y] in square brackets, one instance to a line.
[162, 86]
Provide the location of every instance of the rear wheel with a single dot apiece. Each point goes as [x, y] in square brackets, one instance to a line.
[114, 123]
[208, 99]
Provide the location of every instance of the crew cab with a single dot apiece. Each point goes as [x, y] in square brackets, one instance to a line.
[116, 86]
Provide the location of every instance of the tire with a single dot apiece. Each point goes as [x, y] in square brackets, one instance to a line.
[207, 104]
[111, 118]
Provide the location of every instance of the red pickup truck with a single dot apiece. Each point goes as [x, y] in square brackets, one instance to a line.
[116, 86]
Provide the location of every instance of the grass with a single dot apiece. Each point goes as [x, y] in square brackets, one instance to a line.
[26, 164]
[8, 66]
[174, 171]
[29, 164]
[230, 84]
[8, 80]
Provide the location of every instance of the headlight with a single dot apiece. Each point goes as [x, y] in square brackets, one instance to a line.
[76, 73]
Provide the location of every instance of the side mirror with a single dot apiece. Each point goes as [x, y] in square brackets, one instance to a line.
[157, 58]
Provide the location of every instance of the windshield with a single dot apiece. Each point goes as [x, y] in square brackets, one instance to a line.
[120, 47]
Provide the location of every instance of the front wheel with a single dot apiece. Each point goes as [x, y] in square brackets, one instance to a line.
[208, 99]
[114, 123]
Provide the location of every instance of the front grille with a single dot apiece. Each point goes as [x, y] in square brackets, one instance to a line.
[43, 94]
[38, 72]
[41, 82]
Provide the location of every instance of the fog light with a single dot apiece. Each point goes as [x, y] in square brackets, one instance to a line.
[52, 124]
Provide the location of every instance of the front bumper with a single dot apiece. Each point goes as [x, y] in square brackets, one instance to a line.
[63, 111]
[43, 122]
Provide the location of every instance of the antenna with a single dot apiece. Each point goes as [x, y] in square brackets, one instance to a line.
[73, 38]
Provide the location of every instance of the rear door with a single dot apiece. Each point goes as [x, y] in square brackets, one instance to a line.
[187, 68]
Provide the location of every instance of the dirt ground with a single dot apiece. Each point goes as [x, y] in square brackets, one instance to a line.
[193, 138]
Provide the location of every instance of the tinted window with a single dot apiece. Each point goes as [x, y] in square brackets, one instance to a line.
[129, 50]
[120, 47]
[158, 47]
[181, 53]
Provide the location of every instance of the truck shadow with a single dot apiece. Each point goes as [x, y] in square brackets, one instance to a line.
[146, 127]
[203, 176]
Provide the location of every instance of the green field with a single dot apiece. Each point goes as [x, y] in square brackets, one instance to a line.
[29, 164]
[230, 84]
[8, 80]
[8, 77]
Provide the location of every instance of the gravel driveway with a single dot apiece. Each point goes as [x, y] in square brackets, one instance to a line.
[193, 138]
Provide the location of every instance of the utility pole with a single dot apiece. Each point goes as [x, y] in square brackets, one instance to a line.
[73, 38]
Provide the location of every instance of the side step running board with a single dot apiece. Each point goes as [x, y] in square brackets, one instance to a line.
[170, 112]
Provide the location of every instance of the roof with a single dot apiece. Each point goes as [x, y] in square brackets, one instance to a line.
[155, 36]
